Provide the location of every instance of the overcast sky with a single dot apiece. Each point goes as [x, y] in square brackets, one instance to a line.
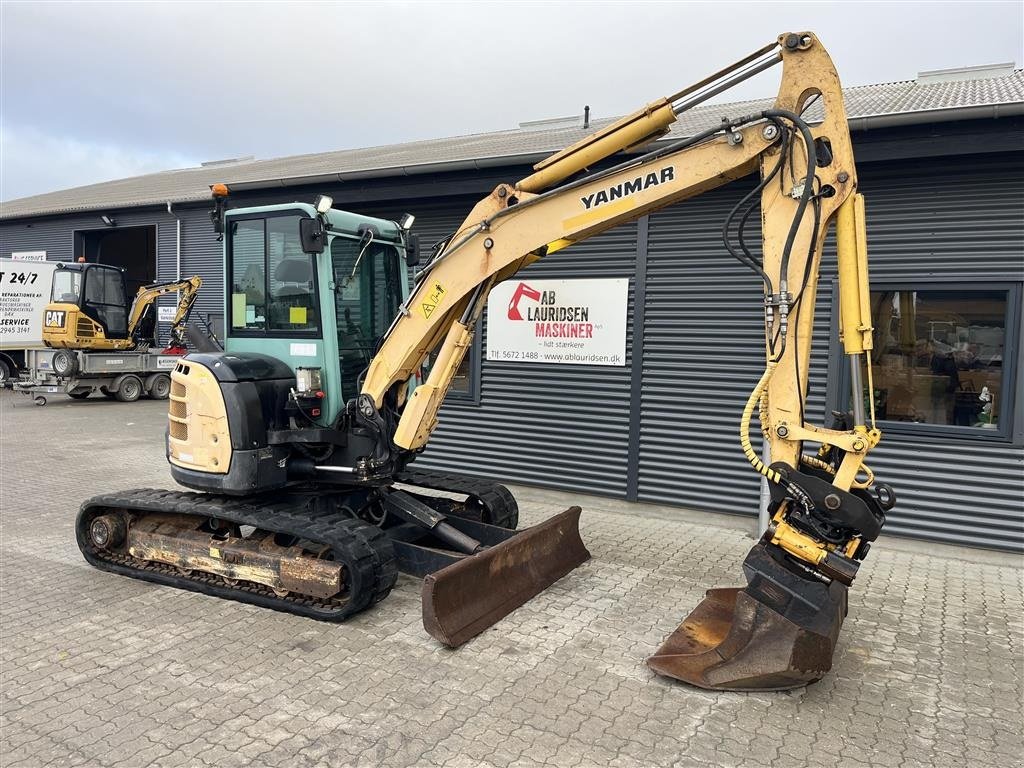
[99, 91]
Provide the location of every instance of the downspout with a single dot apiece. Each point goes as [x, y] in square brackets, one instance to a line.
[177, 244]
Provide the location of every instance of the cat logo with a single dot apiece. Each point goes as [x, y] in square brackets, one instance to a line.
[54, 318]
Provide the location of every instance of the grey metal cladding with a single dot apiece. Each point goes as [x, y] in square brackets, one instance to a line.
[703, 351]
[961, 217]
[202, 254]
[567, 426]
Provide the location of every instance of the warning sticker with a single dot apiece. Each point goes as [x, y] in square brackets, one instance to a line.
[431, 299]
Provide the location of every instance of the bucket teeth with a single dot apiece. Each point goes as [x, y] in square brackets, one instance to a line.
[778, 632]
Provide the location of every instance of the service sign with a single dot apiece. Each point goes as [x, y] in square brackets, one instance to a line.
[166, 314]
[28, 256]
[24, 294]
[570, 322]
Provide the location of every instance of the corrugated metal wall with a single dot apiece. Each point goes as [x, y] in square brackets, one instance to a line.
[964, 218]
[703, 349]
[703, 352]
[56, 235]
[568, 426]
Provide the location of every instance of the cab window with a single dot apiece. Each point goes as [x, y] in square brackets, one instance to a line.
[67, 286]
[368, 291]
[273, 285]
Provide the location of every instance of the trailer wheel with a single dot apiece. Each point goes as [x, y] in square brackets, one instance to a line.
[5, 372]
[158, 386]
[40, 400]
[65, 363]
[130, 389]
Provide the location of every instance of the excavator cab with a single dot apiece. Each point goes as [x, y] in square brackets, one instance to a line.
[322, 312]
[88, 307]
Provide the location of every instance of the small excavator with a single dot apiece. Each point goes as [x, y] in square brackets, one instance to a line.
[89, 311]
[299, 437]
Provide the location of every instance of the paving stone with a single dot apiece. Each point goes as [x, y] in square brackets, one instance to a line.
[99, 670]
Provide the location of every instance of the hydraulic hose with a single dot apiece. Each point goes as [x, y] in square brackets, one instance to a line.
[748, 412]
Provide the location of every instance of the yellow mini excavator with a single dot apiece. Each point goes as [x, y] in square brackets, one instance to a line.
[89, 309]
[301, 433]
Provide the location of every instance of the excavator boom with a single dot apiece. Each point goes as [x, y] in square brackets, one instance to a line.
[780, 630]
[187, 290]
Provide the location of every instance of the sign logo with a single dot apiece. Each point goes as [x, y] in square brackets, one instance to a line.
[434, 296]
[522, 291]
[577, 322]
[54, 318]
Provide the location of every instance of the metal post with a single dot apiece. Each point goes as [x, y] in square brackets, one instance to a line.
[762, 512]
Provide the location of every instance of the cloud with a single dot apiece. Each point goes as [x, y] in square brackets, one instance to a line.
[217, 80]
[33, 162]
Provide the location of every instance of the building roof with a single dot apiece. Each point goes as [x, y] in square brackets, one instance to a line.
[927, 99]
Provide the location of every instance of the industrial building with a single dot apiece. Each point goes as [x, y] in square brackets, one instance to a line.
[941, 161]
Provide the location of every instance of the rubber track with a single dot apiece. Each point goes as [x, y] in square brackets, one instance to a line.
[364, 550]
[497, 499]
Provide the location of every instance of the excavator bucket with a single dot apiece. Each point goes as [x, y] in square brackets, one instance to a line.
[463, 599]
[778, 632]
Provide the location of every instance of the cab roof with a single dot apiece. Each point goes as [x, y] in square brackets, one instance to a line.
[342, 221]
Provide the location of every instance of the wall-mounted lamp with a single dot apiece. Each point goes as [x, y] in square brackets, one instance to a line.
[108, 220]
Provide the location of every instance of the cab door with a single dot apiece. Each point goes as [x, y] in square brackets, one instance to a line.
[104, 300]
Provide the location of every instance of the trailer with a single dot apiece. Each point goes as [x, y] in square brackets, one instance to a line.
[123, 376]
[24, 291]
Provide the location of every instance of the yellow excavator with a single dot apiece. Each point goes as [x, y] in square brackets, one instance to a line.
[300, 436]
[89, 311]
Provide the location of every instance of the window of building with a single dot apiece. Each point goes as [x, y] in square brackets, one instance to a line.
[272, 285]
[945, 357]
[465, 385]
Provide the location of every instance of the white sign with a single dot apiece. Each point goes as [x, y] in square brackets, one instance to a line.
[28, 256]
[302, 350]
[166, 314]
[24, 294]
[570, 322]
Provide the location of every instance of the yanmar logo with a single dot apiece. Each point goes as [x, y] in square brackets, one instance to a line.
[550, 318]
[626, 188]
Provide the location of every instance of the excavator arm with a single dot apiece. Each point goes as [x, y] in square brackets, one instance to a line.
[188, 290]
[824, 511]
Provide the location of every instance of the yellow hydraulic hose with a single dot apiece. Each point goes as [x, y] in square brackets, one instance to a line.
[748, 412]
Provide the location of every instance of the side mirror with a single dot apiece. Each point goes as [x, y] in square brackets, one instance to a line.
[412, 250]
[311, 233]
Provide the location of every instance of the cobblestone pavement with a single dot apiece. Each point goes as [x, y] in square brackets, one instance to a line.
[101, 670]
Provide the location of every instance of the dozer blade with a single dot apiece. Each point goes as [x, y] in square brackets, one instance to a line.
[465, 598]
[778, 632]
